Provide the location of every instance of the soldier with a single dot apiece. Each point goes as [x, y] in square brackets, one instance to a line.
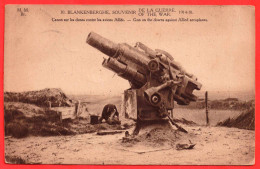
[110, 114]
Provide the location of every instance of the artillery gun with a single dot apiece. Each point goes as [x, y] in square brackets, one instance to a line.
[156, 79]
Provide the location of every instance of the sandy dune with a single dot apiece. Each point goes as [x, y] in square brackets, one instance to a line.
[214, 146]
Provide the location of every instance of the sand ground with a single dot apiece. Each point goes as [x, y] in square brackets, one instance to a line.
[214, 146]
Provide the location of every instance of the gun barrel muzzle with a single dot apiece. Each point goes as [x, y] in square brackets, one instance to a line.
[102, 44]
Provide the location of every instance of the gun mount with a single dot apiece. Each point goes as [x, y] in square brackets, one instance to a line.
[156, 79]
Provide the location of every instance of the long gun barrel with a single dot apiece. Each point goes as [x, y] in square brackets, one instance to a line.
[126, 53]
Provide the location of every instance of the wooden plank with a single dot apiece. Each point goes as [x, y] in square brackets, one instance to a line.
[109, 132]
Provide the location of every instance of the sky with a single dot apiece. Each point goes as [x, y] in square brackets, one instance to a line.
[40, 53]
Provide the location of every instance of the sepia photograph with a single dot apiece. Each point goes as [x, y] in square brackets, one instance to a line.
[129, 84]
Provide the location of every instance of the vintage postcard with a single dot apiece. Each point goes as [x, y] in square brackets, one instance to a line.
[129, 85]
